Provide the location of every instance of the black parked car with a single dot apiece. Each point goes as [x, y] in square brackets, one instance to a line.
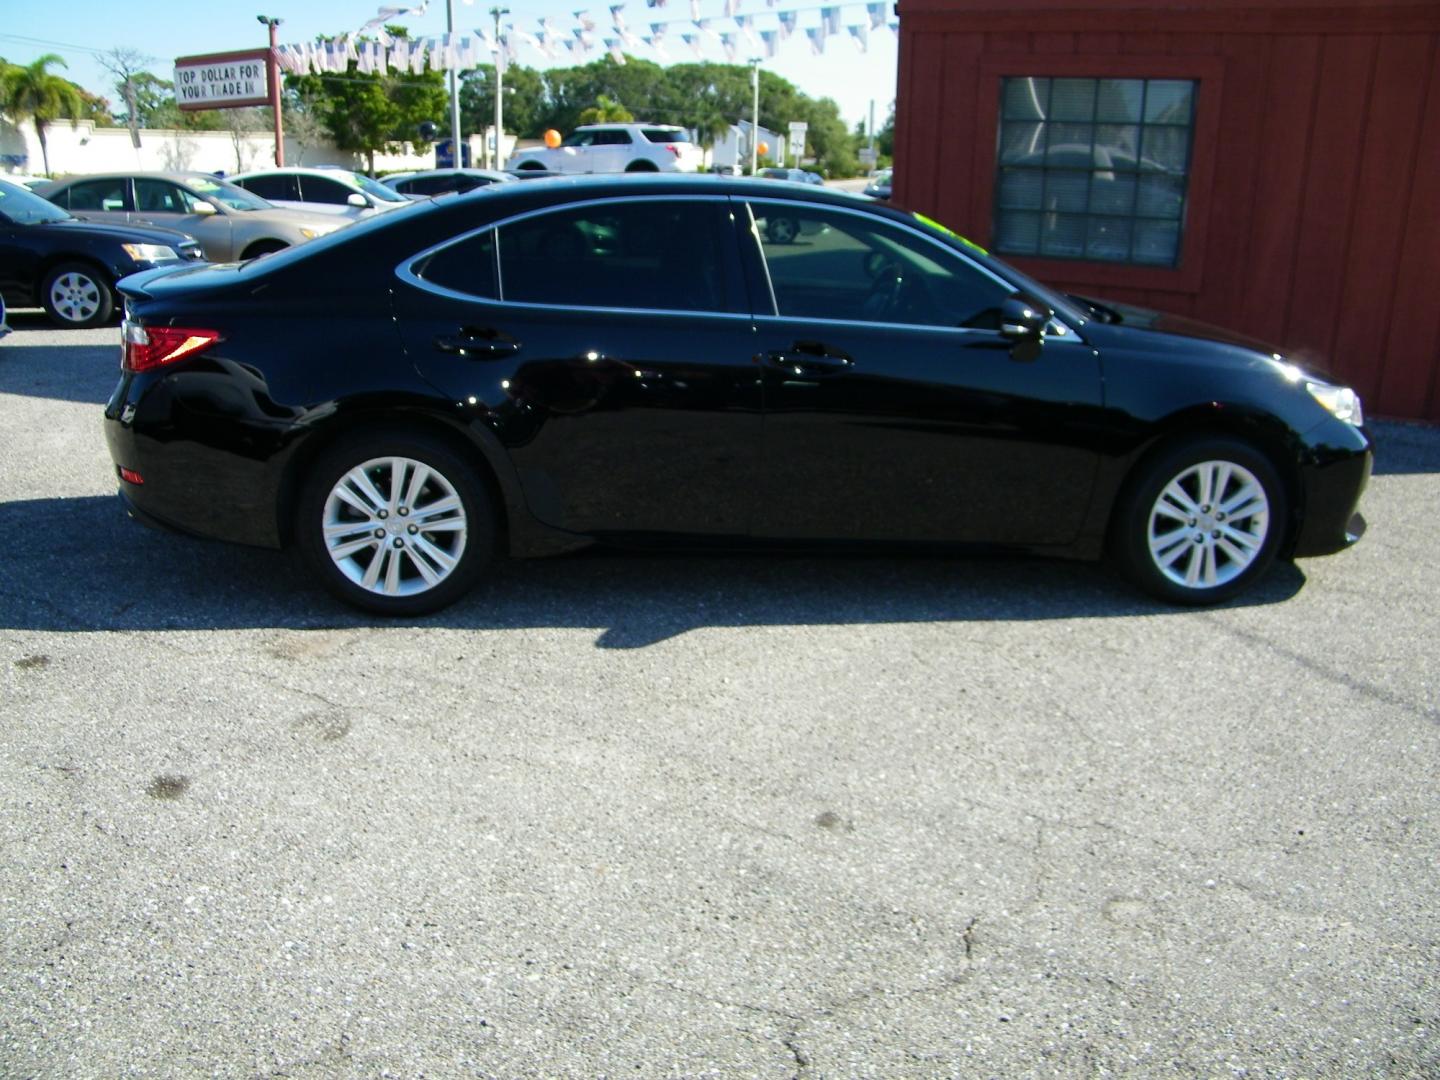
[50, 259]
[422, 185]
[628, 359]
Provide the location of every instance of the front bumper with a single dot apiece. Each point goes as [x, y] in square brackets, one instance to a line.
[1333, 477]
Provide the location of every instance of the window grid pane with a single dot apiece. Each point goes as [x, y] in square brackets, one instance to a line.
[1094, 169]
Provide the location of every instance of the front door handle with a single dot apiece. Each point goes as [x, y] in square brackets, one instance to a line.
[477, 344]
[810, 358]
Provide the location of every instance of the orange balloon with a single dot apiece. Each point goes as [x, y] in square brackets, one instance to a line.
[552, 138]
[764, 149]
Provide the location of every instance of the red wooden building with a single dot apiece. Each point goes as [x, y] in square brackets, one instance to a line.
[1272, 166]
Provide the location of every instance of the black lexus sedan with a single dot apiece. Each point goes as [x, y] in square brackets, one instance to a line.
[533, 367]
[52, 260]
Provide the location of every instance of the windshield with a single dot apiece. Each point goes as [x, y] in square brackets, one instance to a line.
[236, 198]
[23, 207]
[377, 190]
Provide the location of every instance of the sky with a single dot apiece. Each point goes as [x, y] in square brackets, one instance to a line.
[83, 30]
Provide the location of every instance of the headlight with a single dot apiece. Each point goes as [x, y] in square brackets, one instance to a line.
[150, 252]
[1340, 401]
[309, 233]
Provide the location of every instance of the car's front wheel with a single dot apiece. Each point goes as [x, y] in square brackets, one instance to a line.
[782, 230]
[1201, 521]
[395, 523]
[76, 296]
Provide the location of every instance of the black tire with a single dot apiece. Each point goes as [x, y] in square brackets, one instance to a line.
[76, 295]
[782, 230]
[1200, 521]
[530, 166]
[464, 536]
[641, 166]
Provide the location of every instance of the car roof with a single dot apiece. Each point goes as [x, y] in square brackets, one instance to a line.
[286, 170]
[184, 174]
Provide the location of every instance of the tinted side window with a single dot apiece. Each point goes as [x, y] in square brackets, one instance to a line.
[270, 187]
[612, 138]
[322, 190]
[427, 185]
[467, 267]
[645, 254]
[827, 264]
[95, 195]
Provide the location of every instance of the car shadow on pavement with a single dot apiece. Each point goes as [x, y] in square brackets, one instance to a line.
[63, 371]
[82, 565]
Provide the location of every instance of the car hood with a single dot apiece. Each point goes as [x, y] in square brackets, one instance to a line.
[1137, 322]
[137, 234]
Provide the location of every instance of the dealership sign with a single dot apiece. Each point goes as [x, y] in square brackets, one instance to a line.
[223, 80]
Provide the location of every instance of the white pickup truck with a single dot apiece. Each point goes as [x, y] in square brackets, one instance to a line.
[612, 148]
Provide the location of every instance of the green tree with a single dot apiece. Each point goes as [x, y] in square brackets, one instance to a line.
[524, 105]
[32, 92]
[605, 111]
[368, 113]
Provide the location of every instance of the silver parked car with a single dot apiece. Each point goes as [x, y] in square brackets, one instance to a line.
[326, 190]
[230, 223]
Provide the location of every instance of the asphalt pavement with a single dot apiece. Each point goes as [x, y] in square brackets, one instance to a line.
[727, 816]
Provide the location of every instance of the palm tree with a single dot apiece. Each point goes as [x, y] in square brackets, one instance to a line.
[31, 91]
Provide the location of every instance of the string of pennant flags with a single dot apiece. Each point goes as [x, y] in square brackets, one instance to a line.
[372, 50]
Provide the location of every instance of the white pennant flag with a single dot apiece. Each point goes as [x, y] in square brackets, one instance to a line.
[816, 34]
[746, 23]
[771, 38]
[693, 40]
[615, 54]
[583, 18]
[729, 42]
[860, 35]
[877, 15]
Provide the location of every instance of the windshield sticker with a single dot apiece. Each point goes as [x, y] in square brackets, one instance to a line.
[949, 232]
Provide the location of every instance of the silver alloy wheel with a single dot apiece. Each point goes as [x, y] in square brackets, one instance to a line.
[1208, 524]
[395, 526]
[75, 296]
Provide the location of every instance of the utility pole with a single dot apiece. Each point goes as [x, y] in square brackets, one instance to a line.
[272, 71]
[454, 93]
[873, 159]
[497, 12]
[755, 116]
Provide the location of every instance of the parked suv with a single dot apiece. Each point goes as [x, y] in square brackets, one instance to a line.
[611, 148]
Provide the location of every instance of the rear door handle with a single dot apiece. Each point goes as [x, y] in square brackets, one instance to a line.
[477, 344]
[810, 358]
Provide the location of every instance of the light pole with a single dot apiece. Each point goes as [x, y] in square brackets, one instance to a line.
[454, 94]
[272, 72]
[755, 115]
[499, 82]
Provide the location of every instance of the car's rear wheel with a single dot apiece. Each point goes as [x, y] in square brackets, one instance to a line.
[1201, 521]
[76, 295]
[641, 166]
[395, 523]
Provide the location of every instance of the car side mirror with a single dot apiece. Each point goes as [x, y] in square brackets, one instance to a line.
[203, 209]
[1022, 322]
[356, 199]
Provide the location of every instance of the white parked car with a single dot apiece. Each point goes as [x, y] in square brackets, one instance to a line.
[613, 148]
[321, 191]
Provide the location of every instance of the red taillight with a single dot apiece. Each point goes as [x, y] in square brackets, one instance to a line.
[673, 149]
[130, 476]
[146, 347]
